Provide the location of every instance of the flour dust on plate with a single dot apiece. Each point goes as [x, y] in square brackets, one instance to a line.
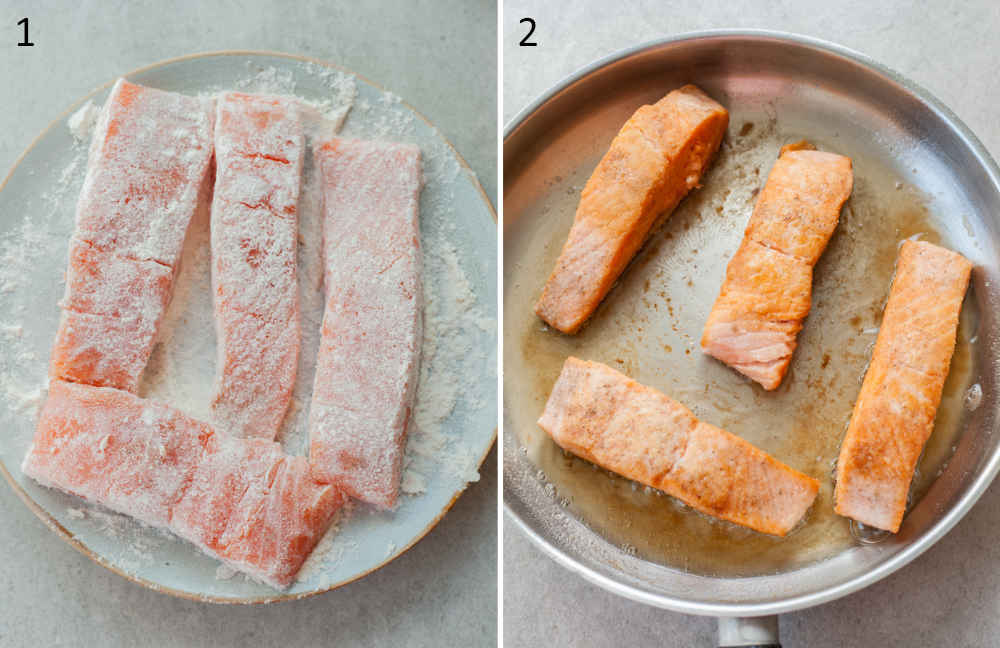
[455, 412]
[650, 325]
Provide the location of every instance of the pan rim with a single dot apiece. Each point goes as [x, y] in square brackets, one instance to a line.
[975, 489]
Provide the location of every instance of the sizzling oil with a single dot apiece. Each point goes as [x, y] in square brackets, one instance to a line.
[649, 328]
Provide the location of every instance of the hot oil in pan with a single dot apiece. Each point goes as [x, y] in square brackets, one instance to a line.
[650, 325]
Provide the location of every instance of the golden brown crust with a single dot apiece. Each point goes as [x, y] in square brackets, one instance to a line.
[609, 419]
[894, 414]
[655, 160]
[767, 290]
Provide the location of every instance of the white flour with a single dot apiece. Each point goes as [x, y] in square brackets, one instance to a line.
[458, 326]
[330, 549]
[81, 123]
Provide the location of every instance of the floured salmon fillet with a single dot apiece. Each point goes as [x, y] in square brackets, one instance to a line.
[368, 362]
[101, 350]
[256, 508]
[241, 500]
[149, 155]
[147, 167]
[259, 145]
[609, 419]
[894, 414]
[104, 283]
[767, 291]
[219, 482]
[115, 449]
[654, 161]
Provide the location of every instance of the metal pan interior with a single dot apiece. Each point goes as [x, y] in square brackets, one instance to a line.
[918, 172]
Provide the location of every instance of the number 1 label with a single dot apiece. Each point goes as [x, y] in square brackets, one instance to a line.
[25, 42]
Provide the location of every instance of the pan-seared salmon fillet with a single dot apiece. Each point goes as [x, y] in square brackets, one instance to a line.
[147, 167]
[654, 161]
[241, 500]
[259, 144]
[767, 290]
[369, 357]
[894, 414]
[611, 420]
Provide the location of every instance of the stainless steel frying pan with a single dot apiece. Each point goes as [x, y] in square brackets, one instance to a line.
[777, 87]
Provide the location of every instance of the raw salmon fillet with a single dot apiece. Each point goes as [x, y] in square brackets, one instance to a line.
[147, 167]
[256, 508]
[241, 500]
[894, 414]
[611, 420]
[767, 291]
[101, 350]
[654, 161]
[113, 448]
[259, 145]
[368, 362]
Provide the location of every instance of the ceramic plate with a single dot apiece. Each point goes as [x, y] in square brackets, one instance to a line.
[456, 409]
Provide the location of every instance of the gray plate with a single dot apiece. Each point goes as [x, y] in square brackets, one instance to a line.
[919, 172]
[456, 216]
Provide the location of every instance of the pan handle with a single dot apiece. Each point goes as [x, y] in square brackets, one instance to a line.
[748, 632]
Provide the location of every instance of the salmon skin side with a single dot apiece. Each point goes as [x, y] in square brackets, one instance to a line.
[369, 357]
[146, 174]
[658, 156]
[638, 432]
[242, 501]
[894, 414]
[767, 291]
[259, 146]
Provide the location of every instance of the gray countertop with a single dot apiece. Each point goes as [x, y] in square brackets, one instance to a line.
[951, 594]
[440, 56]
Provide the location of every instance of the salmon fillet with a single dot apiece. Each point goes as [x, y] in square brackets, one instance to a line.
[113, 448]
[101, 350]
[894, 414]
[767, 291]
[241, 500]
[148, 158]
[638, 432]
[259, 145]
[654, 161]
[369, 356]
[256, 508]
[147, 167]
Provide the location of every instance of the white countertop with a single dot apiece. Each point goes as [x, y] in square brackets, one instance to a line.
[440, 593]
[951, 594]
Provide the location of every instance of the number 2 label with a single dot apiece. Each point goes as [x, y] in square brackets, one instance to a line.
[531, 30]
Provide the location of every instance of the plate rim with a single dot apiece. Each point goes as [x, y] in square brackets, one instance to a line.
[79, 545]
[977, 488]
